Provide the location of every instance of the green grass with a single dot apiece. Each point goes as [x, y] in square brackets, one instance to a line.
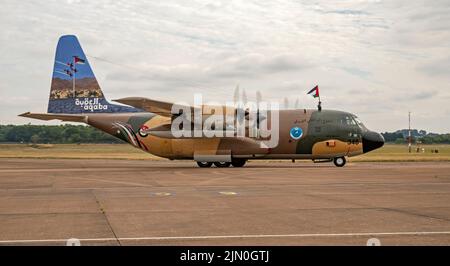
[388, 153]
[399, 153]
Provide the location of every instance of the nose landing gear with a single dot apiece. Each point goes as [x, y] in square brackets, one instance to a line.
[238, 162]
[339, 161]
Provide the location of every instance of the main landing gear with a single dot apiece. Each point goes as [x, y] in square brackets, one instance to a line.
[222, 164]
[339, 161]
[234, 163]
[204, 164]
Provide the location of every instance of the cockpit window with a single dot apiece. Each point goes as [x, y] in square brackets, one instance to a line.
[347, 121]
[358, 122]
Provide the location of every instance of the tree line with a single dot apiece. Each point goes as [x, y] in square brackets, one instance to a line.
[85, 134]
[430, 138]
[54, 134]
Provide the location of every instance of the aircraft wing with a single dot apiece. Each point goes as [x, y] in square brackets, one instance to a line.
[64, 117]
[152, 106]
[165, 108]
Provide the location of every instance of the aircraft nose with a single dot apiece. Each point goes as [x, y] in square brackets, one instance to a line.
[371, 141]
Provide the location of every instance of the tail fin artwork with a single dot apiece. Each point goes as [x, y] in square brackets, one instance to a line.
[74, 88]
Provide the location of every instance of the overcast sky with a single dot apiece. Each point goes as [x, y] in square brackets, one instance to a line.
[377, 59]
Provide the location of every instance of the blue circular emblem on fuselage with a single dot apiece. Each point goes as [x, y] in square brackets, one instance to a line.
[296, 132]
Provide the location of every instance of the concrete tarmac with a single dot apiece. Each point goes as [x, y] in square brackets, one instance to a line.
[120, 202]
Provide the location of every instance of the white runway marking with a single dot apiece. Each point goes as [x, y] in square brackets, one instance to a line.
[228, 193]
[161, 194]
[225, 237]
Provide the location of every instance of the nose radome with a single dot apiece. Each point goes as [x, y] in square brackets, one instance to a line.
[371, 141]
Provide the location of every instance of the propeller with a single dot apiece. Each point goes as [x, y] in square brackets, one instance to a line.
[236, 94]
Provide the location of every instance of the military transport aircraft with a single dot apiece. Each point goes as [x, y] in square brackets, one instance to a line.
[147, 124]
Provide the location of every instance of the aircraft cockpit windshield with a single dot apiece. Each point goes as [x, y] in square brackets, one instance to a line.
[358, 122]
[347, 120]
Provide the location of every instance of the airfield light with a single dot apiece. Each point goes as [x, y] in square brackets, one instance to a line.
[409, 132]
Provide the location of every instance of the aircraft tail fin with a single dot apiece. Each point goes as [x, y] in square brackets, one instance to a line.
[74, 88]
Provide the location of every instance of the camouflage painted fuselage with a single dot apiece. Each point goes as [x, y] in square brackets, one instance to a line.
[327, 134]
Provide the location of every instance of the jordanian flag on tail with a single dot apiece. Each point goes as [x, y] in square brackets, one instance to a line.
[78, 60]
[314, 92]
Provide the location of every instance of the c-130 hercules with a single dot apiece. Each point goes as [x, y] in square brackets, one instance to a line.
[319, 135]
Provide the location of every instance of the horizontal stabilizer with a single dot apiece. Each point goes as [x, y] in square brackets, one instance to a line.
[64, 117]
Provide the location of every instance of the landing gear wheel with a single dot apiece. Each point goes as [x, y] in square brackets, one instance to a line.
[339, 161]
[238, 162]
[222, 164]
[204, 164]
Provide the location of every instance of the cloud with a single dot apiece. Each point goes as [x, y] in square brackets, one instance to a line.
[257, 65]
[424, 94]
[347, 12]
[249, 66]
[365, 55]
[438, 67]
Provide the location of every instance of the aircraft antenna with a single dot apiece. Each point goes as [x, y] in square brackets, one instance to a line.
[319, 105]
